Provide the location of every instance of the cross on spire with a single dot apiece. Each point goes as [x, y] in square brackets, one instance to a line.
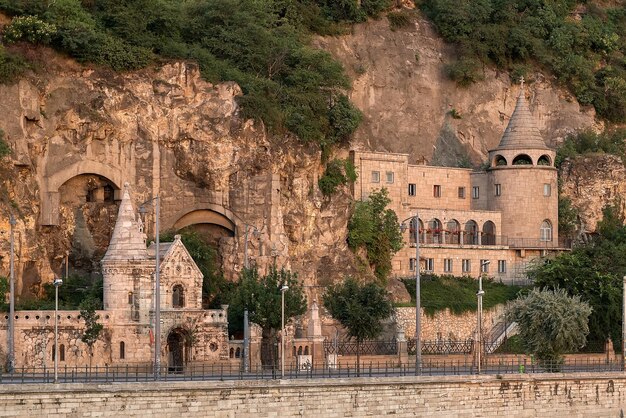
[521, 82]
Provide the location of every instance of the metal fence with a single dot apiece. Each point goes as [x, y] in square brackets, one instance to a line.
[442, 346]
[343, 370]
[349, 347]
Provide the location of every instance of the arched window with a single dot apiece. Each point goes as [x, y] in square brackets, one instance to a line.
[545, 232]
[544, 160]
[453, 229]
[238, 352]
[300, 350]
[231, 353]
[522, 159]
[412, 230]
[306, 350]
[499, 160]
[122, 350]
[471, 233]
[489, 234]
[62, 352]
[178, 296]
[54, 352]
[434, 231]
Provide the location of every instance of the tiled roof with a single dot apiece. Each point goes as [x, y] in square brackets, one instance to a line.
[522, 132]
[128, 242]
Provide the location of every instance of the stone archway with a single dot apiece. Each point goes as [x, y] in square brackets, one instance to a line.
[178, 349]
[51, 184]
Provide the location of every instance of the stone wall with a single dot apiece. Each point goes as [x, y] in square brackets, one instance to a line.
[574, 395]
[445, 324]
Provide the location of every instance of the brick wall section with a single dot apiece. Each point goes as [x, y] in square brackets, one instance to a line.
[574, 395]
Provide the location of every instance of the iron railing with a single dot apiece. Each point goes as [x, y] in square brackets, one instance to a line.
[220, 372]
[442, 347]
[454, 238]
[349, 347]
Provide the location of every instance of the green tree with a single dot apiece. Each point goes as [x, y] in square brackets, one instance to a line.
[360, 308]
[261, 295]
[4, 289]
[550, 323]
[93, 328]
[594, 272]
[375, 228]
[74, 291]
[338, 173]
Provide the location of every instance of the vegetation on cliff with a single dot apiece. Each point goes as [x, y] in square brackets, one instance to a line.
[262, 45]
[582, 43]
[374, 229]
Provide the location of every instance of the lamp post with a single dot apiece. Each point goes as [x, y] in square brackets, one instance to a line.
[11, 336]
[256, 234]
[57, 282]
[624, 325]
[283, 289]
[418, 307]
[479, 315]
[157, 285]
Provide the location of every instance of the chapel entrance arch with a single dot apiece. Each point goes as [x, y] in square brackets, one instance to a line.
[178, 349]
[211, 224]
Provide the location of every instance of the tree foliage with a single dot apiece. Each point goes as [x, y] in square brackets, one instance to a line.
[611, 141]
[261, 295]
[594, 272]
[93, 328]
[262, 45]
[74, 291]
[360, 308]
[585, 52]
[551, 323]
[4, 289]
[337, 173]
[375, 228]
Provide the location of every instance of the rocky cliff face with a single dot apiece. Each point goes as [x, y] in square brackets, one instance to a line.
[408, 102]
[593, 182]
[79, 133]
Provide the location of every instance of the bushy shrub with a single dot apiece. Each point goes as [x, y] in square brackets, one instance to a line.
[465, 71]
[12, 66]
[5, 149]
[30, 29]
[337, 173]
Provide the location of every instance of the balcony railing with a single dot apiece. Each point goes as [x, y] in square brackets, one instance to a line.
[482, 239]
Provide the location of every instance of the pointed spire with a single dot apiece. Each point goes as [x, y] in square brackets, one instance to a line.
[522, 132]
[128, 241]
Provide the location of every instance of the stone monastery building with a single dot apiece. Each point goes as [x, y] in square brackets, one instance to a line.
[507, 214]
[188, 332]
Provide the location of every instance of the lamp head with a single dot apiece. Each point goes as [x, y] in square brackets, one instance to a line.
[403, 227]
[57, 281]
[284, 288]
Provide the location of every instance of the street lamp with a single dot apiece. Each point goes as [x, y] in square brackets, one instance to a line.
[283, 289]
[11, 336]
[157, 285]
[418, 308]
[57, 282]
[479, 314]
[624, 324]
[256, 234]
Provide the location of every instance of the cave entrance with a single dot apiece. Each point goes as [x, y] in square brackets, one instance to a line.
[88, 211]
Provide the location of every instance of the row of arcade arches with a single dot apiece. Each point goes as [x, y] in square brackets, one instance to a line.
[522, 159]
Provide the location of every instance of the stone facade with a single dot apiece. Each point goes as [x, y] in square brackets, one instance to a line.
[189, 334]
[507, 214]
[519, 395]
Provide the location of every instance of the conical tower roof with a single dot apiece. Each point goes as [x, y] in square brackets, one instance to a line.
[522, 132]
[128, 241]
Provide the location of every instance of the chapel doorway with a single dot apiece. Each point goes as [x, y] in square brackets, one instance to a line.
[179, 350]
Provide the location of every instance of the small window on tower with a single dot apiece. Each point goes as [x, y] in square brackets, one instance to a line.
[412, 189]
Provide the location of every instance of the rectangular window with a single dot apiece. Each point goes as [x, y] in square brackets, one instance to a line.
[389, 176]
[447, 265]
[411, 264]
[430, 264]
[484, 266]
[498, 189]
[437, 190]
[466, 265]
[547, 190]
[501, 266]
[475, 192]
[461, 192]
[375, 176]
[412, 189]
